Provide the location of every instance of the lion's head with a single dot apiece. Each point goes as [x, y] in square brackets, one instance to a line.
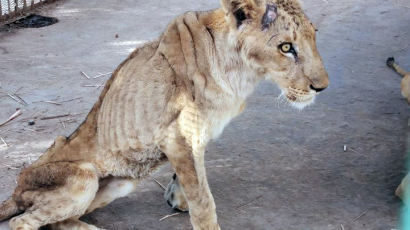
[277, 40]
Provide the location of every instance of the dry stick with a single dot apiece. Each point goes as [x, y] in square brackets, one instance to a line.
[85, 75]
[16, 99]
[92, 86]
[362, 214]
[62, 123]
[10, 167]
[21, 99]
[32, 130]
[101, 74]
[5, 143]
[52, 102]
[14, 115]
[17, 90]
[34, 115]
[54, 117]
[100, 86]
[354, 150]
[341, 226]
[243, 205]
[161, 185]
[170, 215]
[58, 102]
[70, 99]
[69, 120]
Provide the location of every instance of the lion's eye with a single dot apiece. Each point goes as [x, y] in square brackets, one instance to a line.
[286, 47]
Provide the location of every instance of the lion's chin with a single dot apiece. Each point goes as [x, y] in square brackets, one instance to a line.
[302, 104]
[299, 101]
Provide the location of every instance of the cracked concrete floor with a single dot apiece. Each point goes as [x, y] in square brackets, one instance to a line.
[273, 167]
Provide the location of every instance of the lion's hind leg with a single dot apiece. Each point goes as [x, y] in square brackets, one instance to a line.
[112, 188]
[54, 204]
[72, 224]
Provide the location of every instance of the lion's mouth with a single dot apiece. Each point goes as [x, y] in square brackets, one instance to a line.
[299, 98]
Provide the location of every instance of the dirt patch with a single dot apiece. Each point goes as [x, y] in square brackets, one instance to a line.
[30, 21]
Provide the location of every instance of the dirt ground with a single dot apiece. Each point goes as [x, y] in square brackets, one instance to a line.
[274, 167]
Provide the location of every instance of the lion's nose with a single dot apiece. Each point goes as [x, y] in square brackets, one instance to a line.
[317, 89]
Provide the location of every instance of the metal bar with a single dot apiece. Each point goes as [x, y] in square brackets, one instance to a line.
[8, 3]
[18, 10]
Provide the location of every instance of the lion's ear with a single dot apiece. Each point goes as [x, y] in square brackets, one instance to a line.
[239, 10]
[269, 16]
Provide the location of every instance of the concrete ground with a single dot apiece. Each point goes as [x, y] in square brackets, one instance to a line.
[274, 167]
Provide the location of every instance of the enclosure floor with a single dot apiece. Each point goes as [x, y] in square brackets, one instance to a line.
[274, 167]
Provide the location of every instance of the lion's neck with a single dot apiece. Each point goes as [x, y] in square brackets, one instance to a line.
[234, 77]
[228, 69]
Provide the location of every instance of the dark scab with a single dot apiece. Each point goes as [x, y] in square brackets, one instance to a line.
[269, 16]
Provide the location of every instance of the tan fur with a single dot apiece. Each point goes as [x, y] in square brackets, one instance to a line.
[167, 100]
[403, 188]
[405, 82]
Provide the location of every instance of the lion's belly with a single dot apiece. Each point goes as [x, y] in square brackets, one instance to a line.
[126, 135]
[131, 163]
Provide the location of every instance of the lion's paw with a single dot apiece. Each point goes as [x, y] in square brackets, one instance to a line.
[175, 196]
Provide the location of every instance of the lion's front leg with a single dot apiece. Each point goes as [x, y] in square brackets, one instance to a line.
[190, 170]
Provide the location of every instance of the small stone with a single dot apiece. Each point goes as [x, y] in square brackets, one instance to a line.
[31, 122]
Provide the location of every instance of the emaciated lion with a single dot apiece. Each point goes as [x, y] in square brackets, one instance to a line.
[167, 100]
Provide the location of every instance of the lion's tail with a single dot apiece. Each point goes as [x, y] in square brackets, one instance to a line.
[8, 209]
[392, 64]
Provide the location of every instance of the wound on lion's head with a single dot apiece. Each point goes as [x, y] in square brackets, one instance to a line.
[269, 16]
